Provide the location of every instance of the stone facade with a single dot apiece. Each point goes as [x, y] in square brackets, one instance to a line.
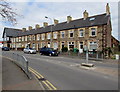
[95, 36]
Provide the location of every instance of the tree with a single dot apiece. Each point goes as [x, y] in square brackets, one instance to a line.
[7, 13]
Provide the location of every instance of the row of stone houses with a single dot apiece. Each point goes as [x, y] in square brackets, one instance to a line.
[93, 32]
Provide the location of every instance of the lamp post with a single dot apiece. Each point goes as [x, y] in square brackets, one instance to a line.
[50, 30]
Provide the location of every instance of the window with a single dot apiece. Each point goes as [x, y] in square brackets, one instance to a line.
[62, 34]
[81, 33]
[55, 45]
[25, 38]
[71, 33]
[33, 45]
[92, 19]
[38, 37]
[55, 35]
[33, 37]
[22, 38]
[71, 45]
[17, 39]
[42, 44]
[28, 37]
[92, 46]
[43, 36]
[93, 31]
[48, 35]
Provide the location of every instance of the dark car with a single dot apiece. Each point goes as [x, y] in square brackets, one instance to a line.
[5, 48]
[48, 51]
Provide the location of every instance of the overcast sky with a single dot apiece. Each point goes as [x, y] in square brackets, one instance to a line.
[35, 12]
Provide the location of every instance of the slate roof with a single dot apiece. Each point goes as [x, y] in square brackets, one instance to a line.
[96, 20]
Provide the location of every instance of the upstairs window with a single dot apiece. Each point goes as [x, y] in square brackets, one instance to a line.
[38, 37]
[55, 35]
[62, 34]
[93, 31]
[43, 36]
[48, 35]
[81, 33]
[71, 33]
[33, 37]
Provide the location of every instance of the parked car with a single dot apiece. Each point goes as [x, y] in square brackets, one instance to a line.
[48, 51]
[5, 48]
[29, 50]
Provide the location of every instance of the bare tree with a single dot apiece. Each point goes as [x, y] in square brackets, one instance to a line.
[7, 13]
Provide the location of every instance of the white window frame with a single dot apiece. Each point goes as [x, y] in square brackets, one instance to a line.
[90, 29]
[25, 38]
[62, 33]
[71, 31]
[81, 32]
[55, 45]
[71, 43]
[55, 35]
[43, 36]
[38, 37]
[48, 35]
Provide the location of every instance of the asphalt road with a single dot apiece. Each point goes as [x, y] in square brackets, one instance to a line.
[65, 74]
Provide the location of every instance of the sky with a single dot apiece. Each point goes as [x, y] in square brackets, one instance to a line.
[33, 12]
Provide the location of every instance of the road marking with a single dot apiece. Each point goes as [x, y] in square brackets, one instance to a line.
[46, 82]
[51, 85]
[47, 85]
[36, 72]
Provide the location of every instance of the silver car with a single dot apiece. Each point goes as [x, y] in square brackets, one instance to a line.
[29, 50]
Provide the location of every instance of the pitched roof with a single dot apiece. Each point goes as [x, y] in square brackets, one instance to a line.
[10, 32]
[78, 23]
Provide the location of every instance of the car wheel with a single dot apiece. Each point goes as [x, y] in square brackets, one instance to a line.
[29, 52]
[40, 53]
[50, 54]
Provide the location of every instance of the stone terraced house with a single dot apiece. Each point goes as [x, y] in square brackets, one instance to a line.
[93, 32]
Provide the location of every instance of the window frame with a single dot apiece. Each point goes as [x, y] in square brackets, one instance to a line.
[71, 31]
[62, 33]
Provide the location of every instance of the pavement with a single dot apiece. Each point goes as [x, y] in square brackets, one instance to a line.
[13, 78]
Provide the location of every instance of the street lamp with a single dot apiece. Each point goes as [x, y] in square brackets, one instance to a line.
[50, 30]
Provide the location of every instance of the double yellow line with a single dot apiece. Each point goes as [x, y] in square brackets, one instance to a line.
[49, 85]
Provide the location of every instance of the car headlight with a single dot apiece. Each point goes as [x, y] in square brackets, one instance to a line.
[53, 52]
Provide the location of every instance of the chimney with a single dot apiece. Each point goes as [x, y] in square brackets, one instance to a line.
[85, 14]
[23, 29]
[45, 24]
[55, 22]
[69, 18]
[107, 9]
[30, 28]
[37, 26]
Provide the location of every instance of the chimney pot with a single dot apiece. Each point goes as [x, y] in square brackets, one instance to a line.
[45, 24]
[69, 18]
[85, 14]
[56, 21]
[30, 28]
[23, 29]
[37, 26]
[107, 9]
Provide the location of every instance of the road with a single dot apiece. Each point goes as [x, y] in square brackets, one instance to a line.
[65, 73]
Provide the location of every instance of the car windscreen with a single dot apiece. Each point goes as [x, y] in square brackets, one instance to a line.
[50, 49]
[31, 48]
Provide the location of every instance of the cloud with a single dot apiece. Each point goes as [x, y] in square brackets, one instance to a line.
[34, 12]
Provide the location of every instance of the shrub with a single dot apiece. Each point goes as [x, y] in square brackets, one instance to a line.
[64, 49]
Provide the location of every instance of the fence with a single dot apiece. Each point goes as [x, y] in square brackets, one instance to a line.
[20, 60]
[91, 55]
